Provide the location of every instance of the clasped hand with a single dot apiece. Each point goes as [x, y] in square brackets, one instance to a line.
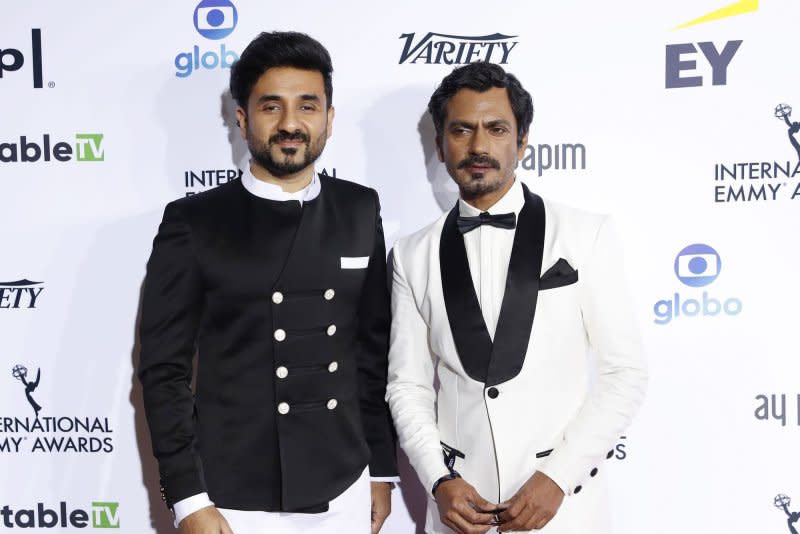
[533, 506]
[462, 509]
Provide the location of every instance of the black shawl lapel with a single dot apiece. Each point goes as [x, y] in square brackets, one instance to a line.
[522, 289]
[471, 337]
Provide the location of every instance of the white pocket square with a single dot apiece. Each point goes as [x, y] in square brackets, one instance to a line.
[356, 262]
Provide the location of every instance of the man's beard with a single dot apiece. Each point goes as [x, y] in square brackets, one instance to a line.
[262, 152]
[477, 184]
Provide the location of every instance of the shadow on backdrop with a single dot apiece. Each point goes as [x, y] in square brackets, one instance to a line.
[444, 189]
[239, 150]
[160, 518]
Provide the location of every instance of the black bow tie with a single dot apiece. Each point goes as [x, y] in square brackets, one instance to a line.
[502, 220]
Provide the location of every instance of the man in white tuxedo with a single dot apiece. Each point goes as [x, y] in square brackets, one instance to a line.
[518, 306]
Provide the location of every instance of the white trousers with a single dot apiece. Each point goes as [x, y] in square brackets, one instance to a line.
[350, 512]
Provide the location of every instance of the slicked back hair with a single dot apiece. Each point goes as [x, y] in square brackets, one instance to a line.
[481, 77]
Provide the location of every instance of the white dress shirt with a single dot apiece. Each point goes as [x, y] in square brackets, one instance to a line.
[489, 252]
[352, 498]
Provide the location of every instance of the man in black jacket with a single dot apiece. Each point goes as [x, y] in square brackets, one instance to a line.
[278, 281]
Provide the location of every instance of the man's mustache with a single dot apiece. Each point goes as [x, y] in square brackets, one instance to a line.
[478, 160]
[286, 136]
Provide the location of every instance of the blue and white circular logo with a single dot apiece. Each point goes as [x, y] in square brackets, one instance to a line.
[215, 19]
[697, 265]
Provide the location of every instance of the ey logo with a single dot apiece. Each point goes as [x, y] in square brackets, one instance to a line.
[681, 58]
[105, 515]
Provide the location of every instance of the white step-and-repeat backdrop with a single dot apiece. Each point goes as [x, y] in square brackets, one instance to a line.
[676, 116]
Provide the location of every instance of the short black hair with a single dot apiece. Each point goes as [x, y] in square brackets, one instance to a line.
[482, 76]
[279, 49]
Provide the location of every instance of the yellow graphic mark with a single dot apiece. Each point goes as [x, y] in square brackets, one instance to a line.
[737, 8]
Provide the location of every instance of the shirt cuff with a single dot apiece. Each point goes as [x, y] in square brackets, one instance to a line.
[190, 505]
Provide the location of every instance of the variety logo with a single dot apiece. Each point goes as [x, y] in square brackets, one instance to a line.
[51, 433]
[87, 147]
[762, 181]
[696, 266]
[682, 57]
[544, 157]
[774, 407]
[12, 59]
[782, 502]
[215, 20]
[439, 48]
[19, 294]
[101, 515]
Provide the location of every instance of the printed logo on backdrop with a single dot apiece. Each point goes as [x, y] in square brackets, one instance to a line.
[439, 48]
[763, 179]
[783, 112]
[681, 59]
[783, 502]
[213, 20]
[197, 181]
[20, 294]
[20, 372]
[619, 451]
[12, 60]
[82, 148]
[542, 158]
[33, 428]
[101, 514]
[776, 407]
[696, 266]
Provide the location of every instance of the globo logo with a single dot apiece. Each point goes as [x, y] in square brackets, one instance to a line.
[697, 265]
[215, 20]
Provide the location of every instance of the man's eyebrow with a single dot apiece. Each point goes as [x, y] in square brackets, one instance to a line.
[462, 124]
[277, 98]
[268, 98]
[472, 125]
[497, 122]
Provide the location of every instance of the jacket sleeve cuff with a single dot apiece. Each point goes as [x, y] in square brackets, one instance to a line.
[384, 460]
[176, 488]
[570, 469]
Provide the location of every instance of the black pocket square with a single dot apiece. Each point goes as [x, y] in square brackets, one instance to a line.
[559, 275]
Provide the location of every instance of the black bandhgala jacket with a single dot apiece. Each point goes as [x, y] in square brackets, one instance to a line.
[287, 307]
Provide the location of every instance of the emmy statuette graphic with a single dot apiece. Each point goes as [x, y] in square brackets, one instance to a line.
[20, 372]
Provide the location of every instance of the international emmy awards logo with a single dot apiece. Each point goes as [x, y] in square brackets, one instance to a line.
[784, 111]
[783, 501]
[20, 372]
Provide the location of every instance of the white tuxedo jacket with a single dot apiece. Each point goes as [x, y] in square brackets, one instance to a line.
[554, 390]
